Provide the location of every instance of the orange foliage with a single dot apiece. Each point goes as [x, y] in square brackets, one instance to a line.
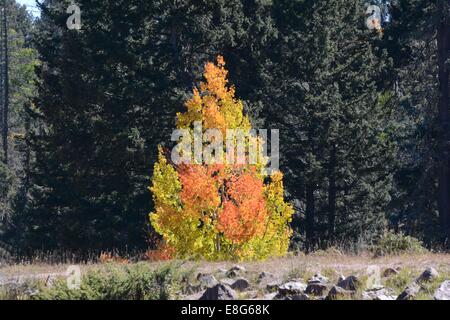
[108, 257]
[162, 253]
[244, 209]
[218, 211]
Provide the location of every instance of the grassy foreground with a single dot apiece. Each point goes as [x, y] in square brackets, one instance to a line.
[179, 279]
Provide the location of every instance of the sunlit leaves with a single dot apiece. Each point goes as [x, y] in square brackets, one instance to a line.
[219, 211]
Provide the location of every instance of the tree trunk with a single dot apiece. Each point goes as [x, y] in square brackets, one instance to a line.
[443, 41]
[332, 195]
[6, 86]
[443, 38]
[310, 211]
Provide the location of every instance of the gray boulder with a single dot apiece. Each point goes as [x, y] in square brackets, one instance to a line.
[317, 285]
[349, 283]
[428, 275]
[443, 292]
[301, 296]
[235, 271]
[318, 278]
[390, 272]
[266, 276]
[273, 286]
[206, 280]
[240, 284]
[292, 288]
[317, 289]
[219, 292]
[337, 292]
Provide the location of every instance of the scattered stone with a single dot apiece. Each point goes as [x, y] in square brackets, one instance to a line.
[240, 284]
[349, 283]
[318, 278]
[428, 275]
[443, 292]
[380, 293]
[273, 286]
[238, 268]
[264, 276]
[317, 289]
[337, 292]
[390, 272]
[219, 292]
[300, 296]
[317, 285]
[410, 292]
[206, 280]
[291, 288]
[235, 271]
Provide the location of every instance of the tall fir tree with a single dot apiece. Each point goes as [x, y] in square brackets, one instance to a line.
[335, 123]
[107, 96]
[418, 40]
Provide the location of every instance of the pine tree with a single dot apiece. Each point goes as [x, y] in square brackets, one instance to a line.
[21, 63]
[417, 39]
[335, 122]
[106, 99]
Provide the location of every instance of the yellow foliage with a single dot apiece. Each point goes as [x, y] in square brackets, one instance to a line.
[213, 211]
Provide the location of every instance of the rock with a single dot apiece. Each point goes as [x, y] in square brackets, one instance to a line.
[317, 285]
[349, 283]
[235, 271]
[219, 292]
[265, 276]
[380, 293]
[300, 296]
[390, 272]
[318, 278]
[206, 280]
[317, 289]
[238, 268]
[410, 292]
[291, 288]
[240, 284]
[273, 286]
[428, 275]
[443, 292]
[337, 292]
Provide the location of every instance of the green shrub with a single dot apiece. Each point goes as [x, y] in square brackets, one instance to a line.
[136, 282]
[392, 243]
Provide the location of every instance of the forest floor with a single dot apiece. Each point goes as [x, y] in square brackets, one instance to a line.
[312, 263]
[293, 268]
